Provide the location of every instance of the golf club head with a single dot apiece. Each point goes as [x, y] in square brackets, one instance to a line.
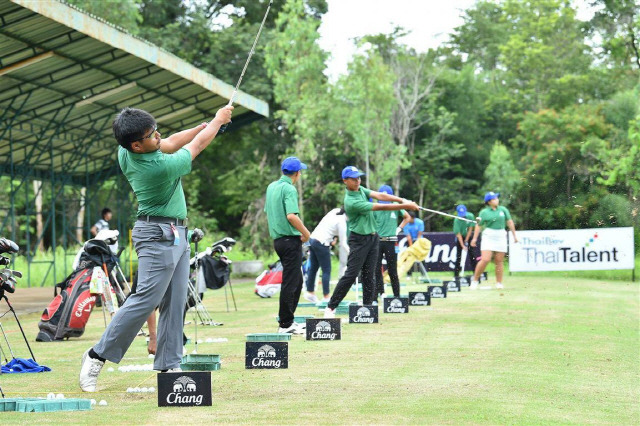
[4, 261]
[9, 286]
[16, 274]
[197, 235]
[8, 246]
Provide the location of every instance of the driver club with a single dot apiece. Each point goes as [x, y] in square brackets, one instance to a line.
[246, 64]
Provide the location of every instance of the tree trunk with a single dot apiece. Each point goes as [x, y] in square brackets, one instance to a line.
[37, 192]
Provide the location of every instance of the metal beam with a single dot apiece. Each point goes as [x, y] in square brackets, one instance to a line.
[25, 63]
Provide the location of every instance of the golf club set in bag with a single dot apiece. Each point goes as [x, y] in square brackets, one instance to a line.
[8, 285]
[97, 280]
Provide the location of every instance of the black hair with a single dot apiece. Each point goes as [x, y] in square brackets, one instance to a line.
[341, 211]
[413, 214]
[288, 173]
[105, 211]
[131, 125]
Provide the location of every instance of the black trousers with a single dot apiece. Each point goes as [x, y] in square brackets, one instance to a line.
[363, 256]
[289, 250]
[471, 255]
[388, 250]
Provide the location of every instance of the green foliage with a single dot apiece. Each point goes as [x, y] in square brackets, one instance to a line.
[501, 174]
[123, 13]
[612, 210]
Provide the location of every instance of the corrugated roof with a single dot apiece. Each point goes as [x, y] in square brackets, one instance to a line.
[64, 75]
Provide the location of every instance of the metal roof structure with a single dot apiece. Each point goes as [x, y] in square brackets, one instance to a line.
[65, 74]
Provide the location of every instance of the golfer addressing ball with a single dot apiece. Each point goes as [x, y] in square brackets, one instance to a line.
[154, 168]
[363, 241]
[492, 219]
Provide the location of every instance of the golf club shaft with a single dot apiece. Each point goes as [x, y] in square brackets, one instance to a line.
[446, 214]
[246, 64]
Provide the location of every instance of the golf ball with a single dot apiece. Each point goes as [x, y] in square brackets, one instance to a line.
[136, 389]
[110, 369]
[93, 402]
[199, 341]
[51, 395]
[102, 402]
[144, 390]
[151, 356]
[152, 389]
[59, 396]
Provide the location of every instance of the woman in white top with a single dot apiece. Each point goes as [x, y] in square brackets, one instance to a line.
[333, 224]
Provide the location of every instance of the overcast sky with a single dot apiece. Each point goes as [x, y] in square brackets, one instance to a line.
[430, 23]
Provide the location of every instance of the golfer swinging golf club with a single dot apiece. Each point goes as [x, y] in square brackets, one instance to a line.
[363, 241]
[154, 168]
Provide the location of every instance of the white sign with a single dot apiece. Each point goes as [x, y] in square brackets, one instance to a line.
[572, 250]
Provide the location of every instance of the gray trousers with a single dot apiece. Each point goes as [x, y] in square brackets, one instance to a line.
[163, 271]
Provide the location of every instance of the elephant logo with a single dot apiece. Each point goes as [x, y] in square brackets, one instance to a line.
[363, 312]
[395, 303]
[184, 383]
[323, 326]
[419, 297]
[266, 351]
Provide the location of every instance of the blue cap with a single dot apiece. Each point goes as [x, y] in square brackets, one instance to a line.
[387, 190]
[351, 172]
[490, 196]
[462, 210]
[292, 165]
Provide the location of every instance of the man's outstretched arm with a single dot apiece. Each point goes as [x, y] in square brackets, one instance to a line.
[180, 139]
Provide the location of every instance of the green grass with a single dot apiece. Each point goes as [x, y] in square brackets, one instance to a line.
[541, 351]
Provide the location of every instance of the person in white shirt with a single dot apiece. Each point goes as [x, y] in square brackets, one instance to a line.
[333, 224]
[102, 224]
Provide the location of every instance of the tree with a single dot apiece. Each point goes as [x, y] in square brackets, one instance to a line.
[367, 96]
[501, 175]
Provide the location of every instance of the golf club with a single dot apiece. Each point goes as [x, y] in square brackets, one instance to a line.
[6, 299]
[246, 64]
[447, 214]
[8, 246]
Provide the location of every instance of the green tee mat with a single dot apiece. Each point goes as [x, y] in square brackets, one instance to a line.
[268, 337]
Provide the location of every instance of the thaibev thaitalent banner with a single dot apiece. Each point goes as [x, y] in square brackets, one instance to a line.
[572, 250]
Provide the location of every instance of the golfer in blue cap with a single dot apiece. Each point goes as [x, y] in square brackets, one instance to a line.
[288, 233]
[388, 229]
[463, 231]
[363, 240]
[492, 219]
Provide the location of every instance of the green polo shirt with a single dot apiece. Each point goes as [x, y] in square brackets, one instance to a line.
[359, 211]
[494, 219]
[387, 221]
[155, 178]
[461, 227]
[281, 200]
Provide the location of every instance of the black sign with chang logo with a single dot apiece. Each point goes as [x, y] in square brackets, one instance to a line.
[437, 292]
[184, 389]
[367, 314]
[452, 285]
[464, 281]
[323, 329]
[273, 355]
[419, 298]
[396, 305]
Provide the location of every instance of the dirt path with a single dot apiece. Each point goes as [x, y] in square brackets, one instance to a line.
[30, 300]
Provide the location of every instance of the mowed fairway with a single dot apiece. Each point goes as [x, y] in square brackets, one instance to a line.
[541, 351]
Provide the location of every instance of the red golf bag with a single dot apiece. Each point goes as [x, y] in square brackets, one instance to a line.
[69, 311]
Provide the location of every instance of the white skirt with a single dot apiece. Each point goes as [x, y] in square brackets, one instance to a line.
[494, 240]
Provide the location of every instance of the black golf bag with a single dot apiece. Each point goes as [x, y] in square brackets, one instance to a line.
[68, 313]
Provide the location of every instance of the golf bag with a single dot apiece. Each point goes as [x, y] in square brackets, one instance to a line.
[269, 282]
[68, 313]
